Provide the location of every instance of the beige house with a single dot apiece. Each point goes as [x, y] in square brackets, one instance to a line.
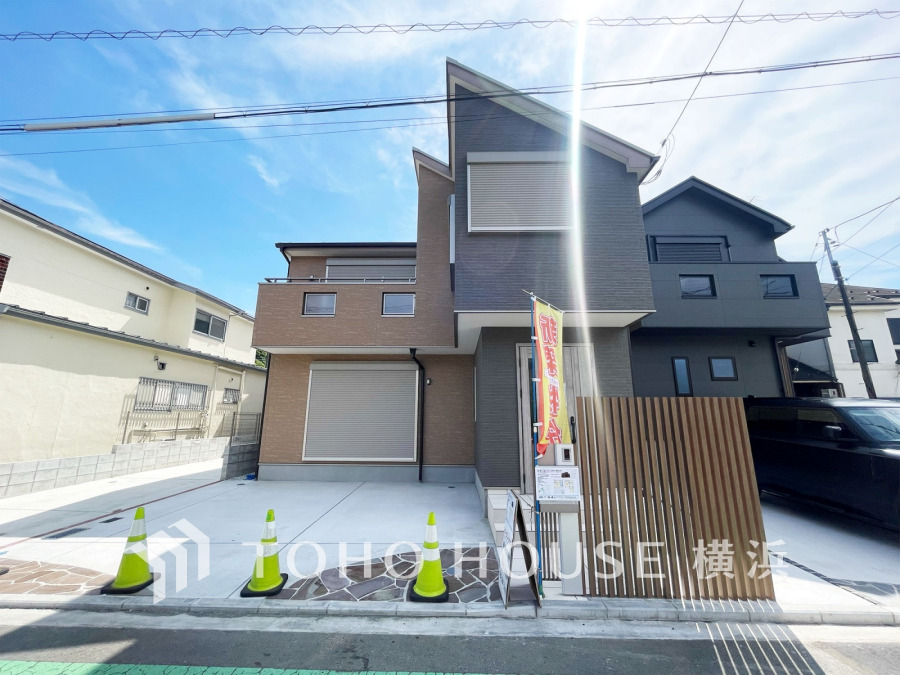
[97, 351]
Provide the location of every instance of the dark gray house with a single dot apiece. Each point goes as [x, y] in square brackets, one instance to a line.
[726, 304]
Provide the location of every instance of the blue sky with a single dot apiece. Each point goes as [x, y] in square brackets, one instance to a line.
[209, 214]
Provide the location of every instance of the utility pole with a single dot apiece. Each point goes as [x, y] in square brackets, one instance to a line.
[854, 331]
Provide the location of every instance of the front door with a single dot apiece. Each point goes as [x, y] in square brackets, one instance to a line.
[578, 374]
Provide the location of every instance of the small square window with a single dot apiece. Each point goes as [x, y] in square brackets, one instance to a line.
[682, 371]
[207, 324]
[137, 303]
[697, 286]
[779, 285]
[319, 304]
[722, 368]
[868, 347]
[398, 304]
[231, 395]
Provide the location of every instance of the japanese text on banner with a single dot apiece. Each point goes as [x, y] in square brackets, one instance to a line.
[551, 393]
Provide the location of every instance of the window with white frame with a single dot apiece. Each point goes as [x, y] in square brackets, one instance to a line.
[231, 396]
[137, 302]
[167, 395]
[209, 324]
[398, 304]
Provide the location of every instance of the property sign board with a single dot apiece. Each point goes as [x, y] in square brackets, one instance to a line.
[557, 483]
[515, 521]
[551, 392]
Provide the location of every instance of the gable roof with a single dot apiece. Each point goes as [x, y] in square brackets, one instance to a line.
[861, 295]
[421, 158]
[635, 159]
[778, 225]
[42, 224]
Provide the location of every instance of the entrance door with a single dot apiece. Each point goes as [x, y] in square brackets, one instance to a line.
[578, 374]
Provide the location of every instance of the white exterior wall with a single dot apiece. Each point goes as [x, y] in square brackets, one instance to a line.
[872, 324]
[67, 393]
[51, 274]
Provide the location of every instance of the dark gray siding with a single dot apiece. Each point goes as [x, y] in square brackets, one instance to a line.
[757, 368]
[493, 268]
[694, 213]
[497, 450]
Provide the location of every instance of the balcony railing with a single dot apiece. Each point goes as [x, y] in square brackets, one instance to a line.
[350, 280]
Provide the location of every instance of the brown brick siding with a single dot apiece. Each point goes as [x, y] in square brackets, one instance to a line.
[449, 419]
[358, 321]
[4, 265]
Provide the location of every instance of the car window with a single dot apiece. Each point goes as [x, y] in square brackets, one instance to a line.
[882, 424]
[812, 421]
[777, 420]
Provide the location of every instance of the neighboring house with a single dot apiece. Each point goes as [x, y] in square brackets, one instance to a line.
[877, 314]
[726, 304]
[97, 350]
[344, 400]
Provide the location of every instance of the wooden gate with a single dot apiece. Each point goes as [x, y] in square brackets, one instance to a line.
[670, 500]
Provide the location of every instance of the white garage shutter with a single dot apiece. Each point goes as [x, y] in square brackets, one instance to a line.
[360, 412]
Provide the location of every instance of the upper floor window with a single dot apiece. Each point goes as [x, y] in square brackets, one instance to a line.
[722, 368]
[371, 269]
[697, 286]
[894, 327]
[868, 347]
[231, 395]
[682, 371]
[779, 285]
[207, 324]
[398, 304]
[518, 191]
[137, 303]
[688, 249]
[319, 304]
[4, 264]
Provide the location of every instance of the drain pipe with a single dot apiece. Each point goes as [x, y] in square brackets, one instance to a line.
[420, 441]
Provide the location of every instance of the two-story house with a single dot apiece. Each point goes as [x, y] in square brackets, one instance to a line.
[393, 361]
[726, 304]
[97, 350]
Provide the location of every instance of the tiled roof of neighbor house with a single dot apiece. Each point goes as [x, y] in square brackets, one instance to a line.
[65, 322]
[43, 224]
[861, 295]
[779, 226]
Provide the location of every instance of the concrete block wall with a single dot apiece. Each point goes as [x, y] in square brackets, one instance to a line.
[239, 460]
[18, 478]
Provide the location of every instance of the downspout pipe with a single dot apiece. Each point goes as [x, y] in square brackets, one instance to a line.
[420, 441]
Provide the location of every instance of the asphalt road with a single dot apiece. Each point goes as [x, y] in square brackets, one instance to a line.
[670, 649]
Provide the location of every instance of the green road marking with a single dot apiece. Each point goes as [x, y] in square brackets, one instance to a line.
[57, 668]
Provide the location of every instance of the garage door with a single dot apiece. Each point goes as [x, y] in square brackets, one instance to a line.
[360, 412]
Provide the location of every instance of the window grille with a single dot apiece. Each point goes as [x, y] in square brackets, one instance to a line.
[231, 395]
[167, 395]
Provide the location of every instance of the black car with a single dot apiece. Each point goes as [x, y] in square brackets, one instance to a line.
[839, 452]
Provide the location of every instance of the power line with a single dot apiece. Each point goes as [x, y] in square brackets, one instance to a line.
[372, 104]
[877, 258]
[95, 132]
[402, 29]
[694, 91]
[859, 250]
[884, 207]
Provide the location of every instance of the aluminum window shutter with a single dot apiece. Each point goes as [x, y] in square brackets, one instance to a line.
[361, 414]
[519, 196]
[689, 252]
[371, 271]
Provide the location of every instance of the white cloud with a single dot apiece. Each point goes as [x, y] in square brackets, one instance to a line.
[20, 177]
[260, 166]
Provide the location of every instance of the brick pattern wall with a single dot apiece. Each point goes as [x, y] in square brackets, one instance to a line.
[449, 406]
[4, 265]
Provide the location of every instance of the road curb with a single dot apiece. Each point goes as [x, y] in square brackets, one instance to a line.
[580, 610]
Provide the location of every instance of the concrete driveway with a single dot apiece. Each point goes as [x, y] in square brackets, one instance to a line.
[318, 523]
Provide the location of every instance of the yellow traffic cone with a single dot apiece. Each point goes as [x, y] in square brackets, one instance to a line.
[267, 578]
[430, 586]
[134, 569]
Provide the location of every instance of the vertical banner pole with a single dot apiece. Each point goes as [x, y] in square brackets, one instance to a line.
[534, 434]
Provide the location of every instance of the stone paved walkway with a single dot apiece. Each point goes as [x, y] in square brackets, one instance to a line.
[471, 576]
[28, 577]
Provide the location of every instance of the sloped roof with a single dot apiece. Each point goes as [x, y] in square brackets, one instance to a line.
[43, 224]
[778, 225]
[635, 159]
[861, 295]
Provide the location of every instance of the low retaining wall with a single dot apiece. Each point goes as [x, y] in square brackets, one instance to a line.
[240, 459]
[19, 478]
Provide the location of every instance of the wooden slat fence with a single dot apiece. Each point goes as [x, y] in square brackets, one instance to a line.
[676, 472]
